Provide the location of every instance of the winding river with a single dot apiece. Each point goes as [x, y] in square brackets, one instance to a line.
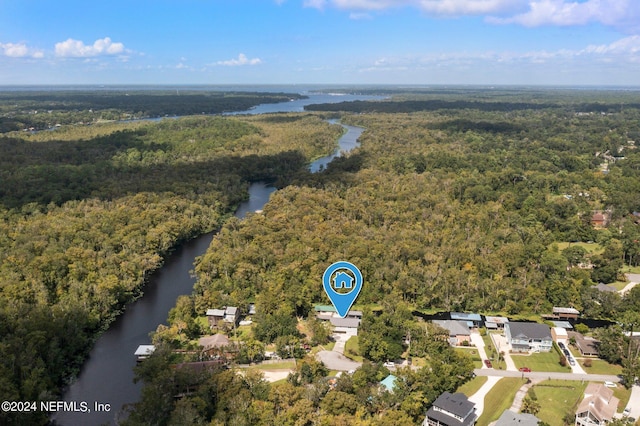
[107, 375]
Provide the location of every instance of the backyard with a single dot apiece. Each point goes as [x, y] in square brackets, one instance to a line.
[558, 398]
[499, 398]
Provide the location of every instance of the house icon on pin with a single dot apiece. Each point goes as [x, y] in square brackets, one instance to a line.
[342, 280]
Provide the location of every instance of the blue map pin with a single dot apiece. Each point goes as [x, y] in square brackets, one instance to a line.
[347, 276]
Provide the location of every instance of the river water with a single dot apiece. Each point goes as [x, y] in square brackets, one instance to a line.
[107, 375]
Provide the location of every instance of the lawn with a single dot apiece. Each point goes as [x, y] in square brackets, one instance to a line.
[352, 349]
[557, 398]
[472, 385]
[618, 285]
[591, 248]
[472, 353]
[284, 365]
[623, 394]
[543, 361]
[600, 366]
[499, 398]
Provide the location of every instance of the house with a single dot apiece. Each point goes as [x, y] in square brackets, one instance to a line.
[509, 418]
[600, 219]
[605, 288]
[472, 320]
[458, 331]
[528, 336]
[347, 326]
[559, 334]
[231, 315]
[389, 383]
[586, 346]
[144, 351]
[215, 316]
[565, 313]
[213, 342]
[342, 280]
[451, 410]
[598, 406]
[494, 323]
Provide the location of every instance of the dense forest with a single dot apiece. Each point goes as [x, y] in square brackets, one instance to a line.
[87, 212]
[480, 201]
[448, 205]
[45, 109]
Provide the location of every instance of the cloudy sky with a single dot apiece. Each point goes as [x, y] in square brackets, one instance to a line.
[542, 42]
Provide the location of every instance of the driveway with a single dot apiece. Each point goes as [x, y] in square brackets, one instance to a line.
[634, 402]
[336, 361]
[502, 345]
[477, 341]
[478, 397]
[633, 279]
[576, 368]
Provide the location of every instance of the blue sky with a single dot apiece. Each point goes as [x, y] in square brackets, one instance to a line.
[541, 42]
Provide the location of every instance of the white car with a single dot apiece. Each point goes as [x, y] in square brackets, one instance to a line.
[610, 384]
[389, 364]
[626, 412]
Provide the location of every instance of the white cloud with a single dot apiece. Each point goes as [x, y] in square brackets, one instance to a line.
[435, 7]
[621, 14]
[77, 49]
[240, 60]
[19, 50]
[625, 52]
[618, 13]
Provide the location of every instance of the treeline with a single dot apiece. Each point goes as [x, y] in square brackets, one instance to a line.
[41, 110]
[85, 219]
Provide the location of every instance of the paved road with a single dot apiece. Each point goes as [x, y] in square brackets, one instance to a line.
[634, 402]
[547, 375]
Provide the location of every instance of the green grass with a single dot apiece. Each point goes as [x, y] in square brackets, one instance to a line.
[543, 361]
[623, 394]
[472, 385]
[557, 398]
[284, 365]
[499, 398]
[619, 285]
[600, 366]
[352, 349]
[471, 353]
[631, 269]
[591, 248]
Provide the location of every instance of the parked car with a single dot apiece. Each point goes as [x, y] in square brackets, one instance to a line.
[626, 412]
[525, 369]
[389, 364]
[610, 384]
[572, 361]
[561, 345]
[488, 363]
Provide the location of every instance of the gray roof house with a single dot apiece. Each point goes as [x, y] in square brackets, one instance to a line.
[458, 331]
[528, 336]
[451, 410]
[509, 418]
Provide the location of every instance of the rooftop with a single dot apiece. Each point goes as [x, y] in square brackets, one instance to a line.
[509, 418]
[465, 316]
[561, 310]
[456, 328]
[529, 330]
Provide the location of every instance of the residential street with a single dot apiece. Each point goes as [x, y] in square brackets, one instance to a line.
[547, 375]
